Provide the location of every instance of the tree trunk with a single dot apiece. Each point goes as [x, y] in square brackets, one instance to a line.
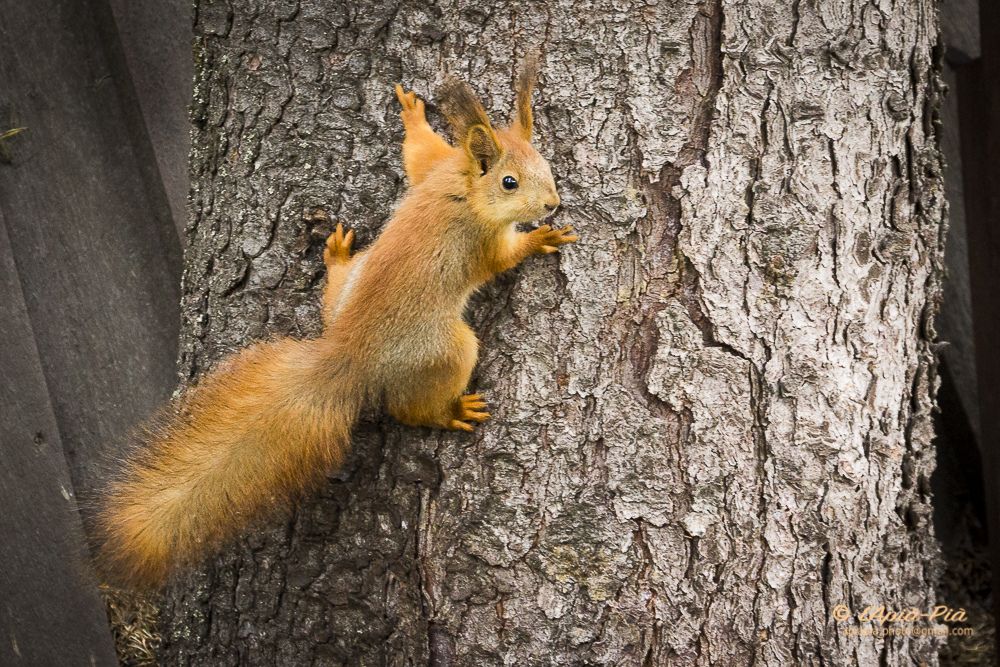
[711, 415]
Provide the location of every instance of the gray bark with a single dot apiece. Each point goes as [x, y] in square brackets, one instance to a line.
[710, 414]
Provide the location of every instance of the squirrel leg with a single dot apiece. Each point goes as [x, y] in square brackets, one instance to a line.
[423, 148]
[433, 396]
[338, 260]
[539, 241]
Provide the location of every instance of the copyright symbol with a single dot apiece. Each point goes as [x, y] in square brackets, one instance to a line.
[840, 612]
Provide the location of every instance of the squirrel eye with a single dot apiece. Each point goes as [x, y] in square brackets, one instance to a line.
[509, 183]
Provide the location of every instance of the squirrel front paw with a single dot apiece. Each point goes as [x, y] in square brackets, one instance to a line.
[413, 108]
[546, 240]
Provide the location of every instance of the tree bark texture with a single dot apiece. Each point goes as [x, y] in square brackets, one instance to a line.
[711, 415]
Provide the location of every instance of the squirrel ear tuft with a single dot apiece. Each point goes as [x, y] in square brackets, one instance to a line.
[526, 80]
[482, 146]
[461, 108]
[470, 122]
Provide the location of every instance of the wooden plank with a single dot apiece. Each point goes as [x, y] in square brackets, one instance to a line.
[99, 269]
[150, 44]
[51, 612]
[89, 310]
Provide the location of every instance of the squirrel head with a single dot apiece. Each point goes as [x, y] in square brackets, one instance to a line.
[507, 180]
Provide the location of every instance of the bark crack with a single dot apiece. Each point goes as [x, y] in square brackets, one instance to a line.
[795, 23]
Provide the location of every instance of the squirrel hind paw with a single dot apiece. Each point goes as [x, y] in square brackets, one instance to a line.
[338, 246]
[468, 410]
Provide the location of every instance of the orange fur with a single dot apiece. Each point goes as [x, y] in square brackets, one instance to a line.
[268, 424]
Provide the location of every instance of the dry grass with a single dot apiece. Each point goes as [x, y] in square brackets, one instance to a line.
[135, 626]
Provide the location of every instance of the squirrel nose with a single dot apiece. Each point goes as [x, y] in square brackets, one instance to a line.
[552, 203]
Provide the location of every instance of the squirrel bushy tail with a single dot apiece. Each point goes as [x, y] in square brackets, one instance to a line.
[259, 431]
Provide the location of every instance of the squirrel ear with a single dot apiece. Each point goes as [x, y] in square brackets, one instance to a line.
[482, 146]
[526, 80]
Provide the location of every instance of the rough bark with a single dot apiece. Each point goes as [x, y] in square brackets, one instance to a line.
[710, 415]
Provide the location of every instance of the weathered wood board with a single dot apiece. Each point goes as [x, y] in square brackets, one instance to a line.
[89, 274]
[98, 269]
[51, 613]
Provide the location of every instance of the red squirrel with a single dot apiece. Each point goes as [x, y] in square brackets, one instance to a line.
[270, 422]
